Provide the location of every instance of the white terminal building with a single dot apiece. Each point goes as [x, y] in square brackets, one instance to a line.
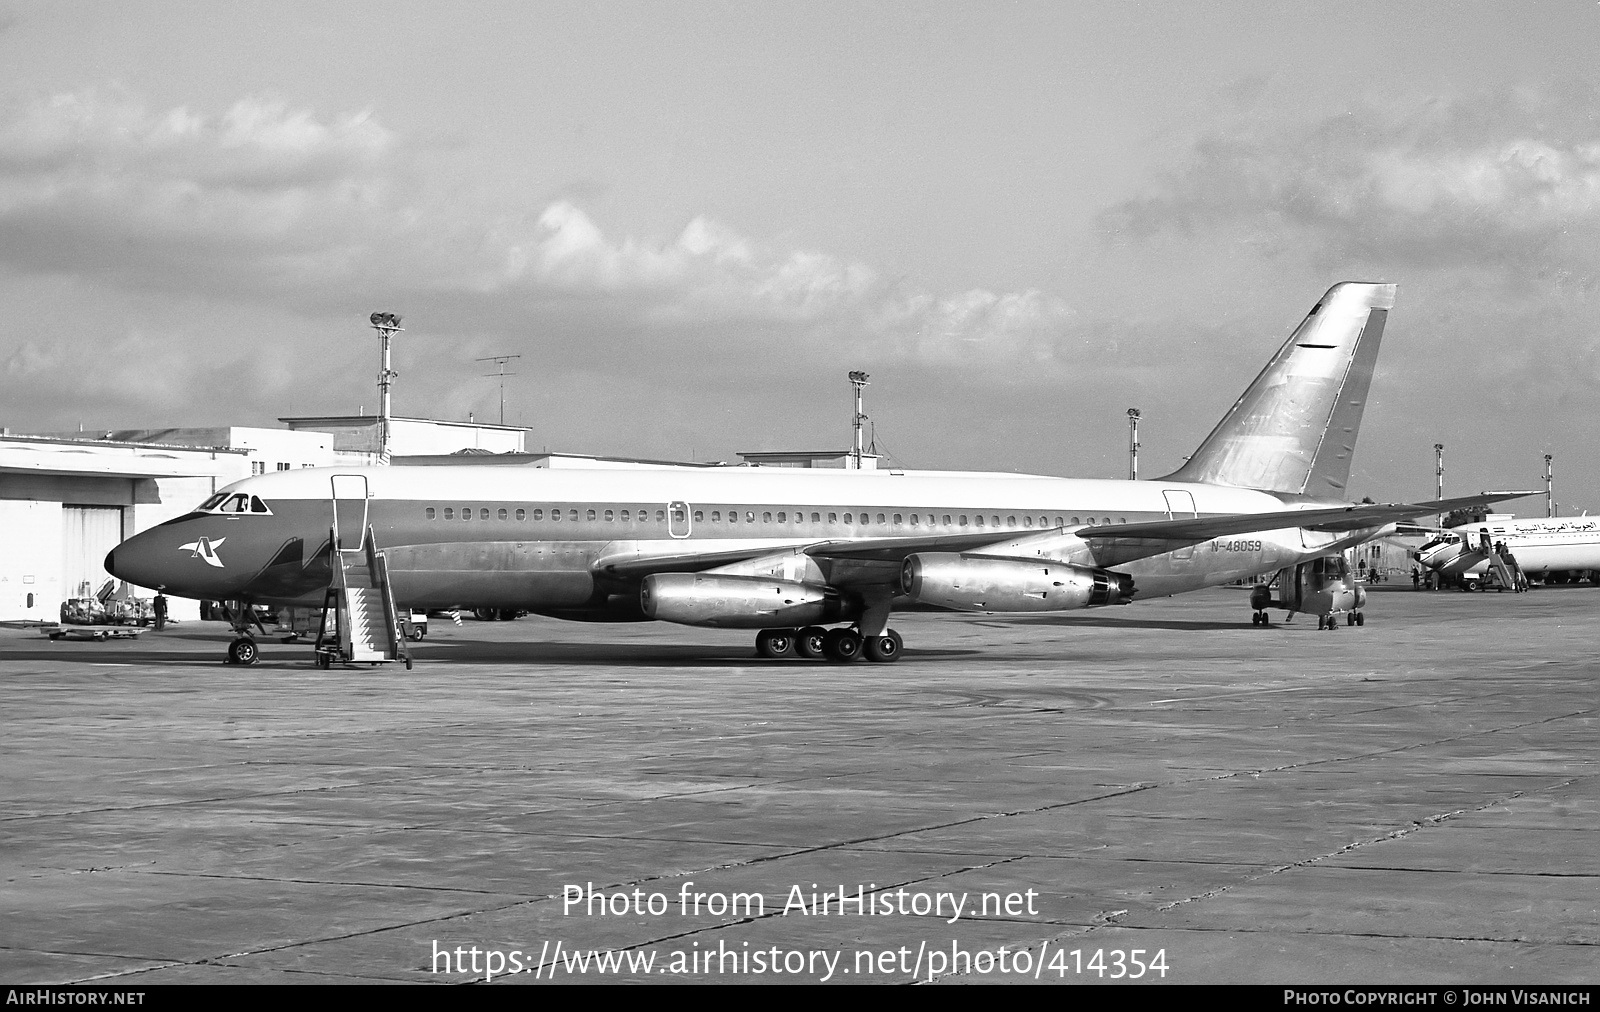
[68, 499]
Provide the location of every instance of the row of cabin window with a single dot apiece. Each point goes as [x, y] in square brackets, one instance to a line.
[898, 519]
[555, 515]
[933, 520]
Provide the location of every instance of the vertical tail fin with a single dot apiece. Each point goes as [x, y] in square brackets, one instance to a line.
[1294, 429]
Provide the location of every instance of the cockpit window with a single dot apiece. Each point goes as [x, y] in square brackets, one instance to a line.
[237, 503]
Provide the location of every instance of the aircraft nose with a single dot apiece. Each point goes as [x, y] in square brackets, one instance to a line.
[134, 561]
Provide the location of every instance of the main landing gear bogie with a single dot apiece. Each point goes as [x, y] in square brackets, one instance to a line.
[840, 646]
[884, 649]
[775, 642]
[808, 642]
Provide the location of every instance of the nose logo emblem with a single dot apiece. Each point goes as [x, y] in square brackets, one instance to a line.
[206, 549]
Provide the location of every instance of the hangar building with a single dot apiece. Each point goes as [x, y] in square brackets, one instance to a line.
[65, 503]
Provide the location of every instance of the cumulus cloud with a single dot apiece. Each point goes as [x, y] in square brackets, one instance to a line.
[1030, 328]
[707, 268]
[1485, 208]
[26, 360]
[710, 274]
[1509, 184]
[256, 142]
[262, 194]
[175, 224]
[265, 200]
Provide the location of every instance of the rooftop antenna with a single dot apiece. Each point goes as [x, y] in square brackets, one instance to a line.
[387, 325]
[858, 381]
[500, 360]
[1133, 444]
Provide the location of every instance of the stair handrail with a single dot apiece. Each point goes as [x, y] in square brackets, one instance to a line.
[344, 626]
[378, 565]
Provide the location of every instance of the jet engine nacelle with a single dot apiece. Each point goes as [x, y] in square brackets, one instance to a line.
[734, 602]
[975, 583]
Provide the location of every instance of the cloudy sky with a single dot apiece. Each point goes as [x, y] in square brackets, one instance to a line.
[691, 219]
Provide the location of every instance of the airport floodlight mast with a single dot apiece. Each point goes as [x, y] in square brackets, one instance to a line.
[1438, 474]
[387, 325]
[1133, 444]
[858, 381]
[1549, 486]
[500, 360]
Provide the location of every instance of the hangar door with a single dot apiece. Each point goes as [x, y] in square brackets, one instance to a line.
[87, 534]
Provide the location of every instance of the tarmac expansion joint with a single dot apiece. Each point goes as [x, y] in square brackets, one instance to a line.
[1430, 821]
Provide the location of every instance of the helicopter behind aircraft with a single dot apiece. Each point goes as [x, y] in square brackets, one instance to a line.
[1322, 587]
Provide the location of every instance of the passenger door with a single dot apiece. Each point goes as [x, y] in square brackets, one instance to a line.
[349, 511]
[1180, 506]
[680, 522]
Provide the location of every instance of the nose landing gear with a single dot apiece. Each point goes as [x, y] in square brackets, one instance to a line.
[242, 617]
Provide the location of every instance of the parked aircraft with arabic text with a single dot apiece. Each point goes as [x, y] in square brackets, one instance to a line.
[1564, 548]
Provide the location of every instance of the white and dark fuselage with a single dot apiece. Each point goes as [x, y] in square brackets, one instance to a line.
[788, 550]
[577, 543]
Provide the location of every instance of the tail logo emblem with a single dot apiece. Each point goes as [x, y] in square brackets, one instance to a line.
[206, 549]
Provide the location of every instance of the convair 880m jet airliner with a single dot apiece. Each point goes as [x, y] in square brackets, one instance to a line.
[792, 552]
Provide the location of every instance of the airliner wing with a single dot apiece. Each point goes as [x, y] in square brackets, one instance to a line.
[1340, 518]
[1423, 530]
[1151, 538]
[637, 566]
[892, 550]
[896, 549]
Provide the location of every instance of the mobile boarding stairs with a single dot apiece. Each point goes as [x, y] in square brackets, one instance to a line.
[359, 605]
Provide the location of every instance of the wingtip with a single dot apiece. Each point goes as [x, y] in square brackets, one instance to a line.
[1374, 294]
